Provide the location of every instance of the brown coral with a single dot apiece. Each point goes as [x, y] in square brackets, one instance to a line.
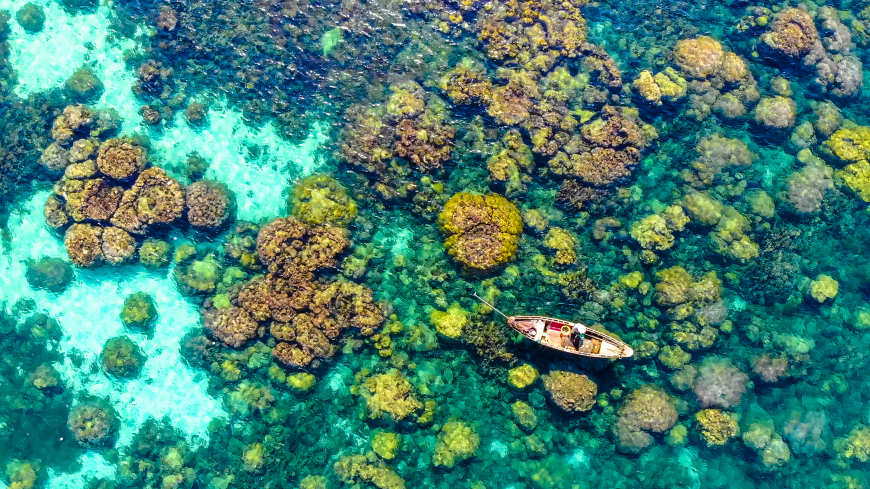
[118, 246]
[155, 198]
[232, 326]
[288, 246]
[84, 244]
[121, 159]
[792, 33]
[209, 204]
[570, 391]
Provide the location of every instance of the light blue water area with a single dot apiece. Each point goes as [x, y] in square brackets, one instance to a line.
[89, 310]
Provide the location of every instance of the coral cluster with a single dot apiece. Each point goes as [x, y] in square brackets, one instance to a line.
[482, 231]
[108, 195]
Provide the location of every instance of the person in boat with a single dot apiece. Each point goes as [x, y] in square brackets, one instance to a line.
[578, 332]
[538, 327]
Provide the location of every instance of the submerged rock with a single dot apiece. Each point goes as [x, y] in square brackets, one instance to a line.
[52, 274]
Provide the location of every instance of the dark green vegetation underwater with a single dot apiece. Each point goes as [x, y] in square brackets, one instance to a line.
[691, 177]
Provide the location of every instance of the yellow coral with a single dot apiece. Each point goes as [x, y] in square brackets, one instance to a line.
[647, 88]
[702, 208]
[850, 145]
[674, 357]
[253, 458]
[301, 381]
[632, 280]
[385, 444]
[367, 468]
[857, 177]
[716, 426]
[673, 87]
[451, 323]
[856, 445]
[524, 415]
[652, 233]
[564, 243]
[391, 393]
[313, 482]
[522, 376]
[457, 441]
[824, 287]
[483, 230]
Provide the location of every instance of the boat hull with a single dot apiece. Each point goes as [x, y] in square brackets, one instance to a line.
[558, 335]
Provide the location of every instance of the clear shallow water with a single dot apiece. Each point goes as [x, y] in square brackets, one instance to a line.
[723, 239]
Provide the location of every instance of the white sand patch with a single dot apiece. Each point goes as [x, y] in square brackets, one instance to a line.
[46, 59]
[88, 311]
[256, 164]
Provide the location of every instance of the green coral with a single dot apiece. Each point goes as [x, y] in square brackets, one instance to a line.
[139, 311]
[155, 253]
[524, 415]
[198, 276]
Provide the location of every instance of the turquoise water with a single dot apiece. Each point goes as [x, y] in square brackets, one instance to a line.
[240, 240]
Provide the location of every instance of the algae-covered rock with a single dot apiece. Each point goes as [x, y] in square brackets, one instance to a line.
[30, 17]
[139, 311]
[83, 86]
[52, 274]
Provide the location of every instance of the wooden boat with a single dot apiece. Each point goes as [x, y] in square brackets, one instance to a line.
[566, 336]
